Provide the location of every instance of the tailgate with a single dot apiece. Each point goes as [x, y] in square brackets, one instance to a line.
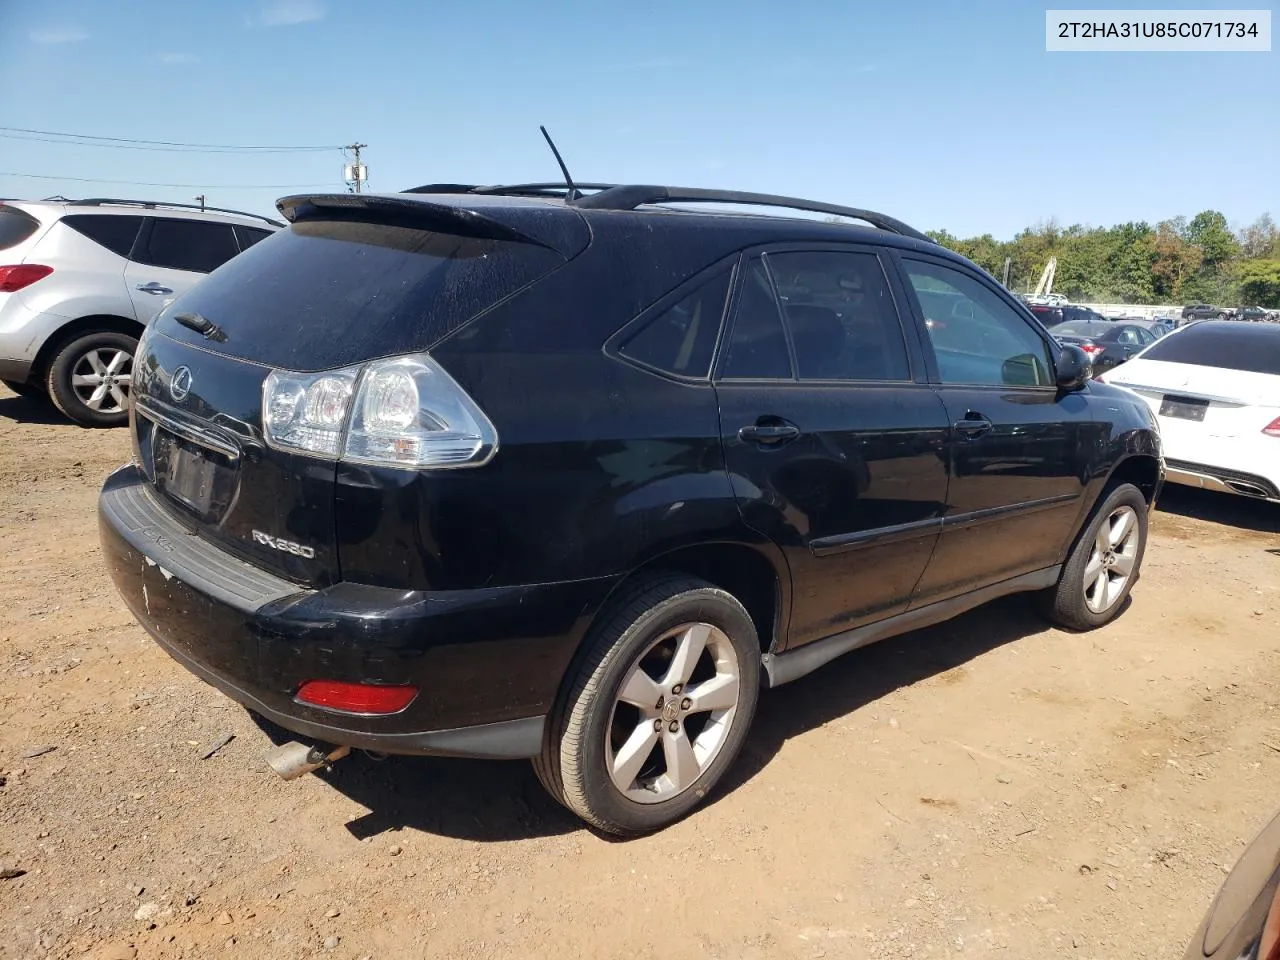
[198, 439]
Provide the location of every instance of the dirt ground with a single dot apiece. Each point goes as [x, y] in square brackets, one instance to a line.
[984, 788]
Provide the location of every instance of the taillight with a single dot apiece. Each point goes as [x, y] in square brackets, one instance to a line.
[1092, 349]
[21, 275]
[363, 698]
[400, 412]
[1272, 429]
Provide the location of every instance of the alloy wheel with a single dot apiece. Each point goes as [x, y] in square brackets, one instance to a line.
[1115, 553]
[102, 379]
[673, 713]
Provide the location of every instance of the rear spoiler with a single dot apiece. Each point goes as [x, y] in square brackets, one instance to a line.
[557, 228]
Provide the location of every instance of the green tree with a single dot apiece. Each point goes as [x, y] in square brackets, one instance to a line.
[1260, 283]
[1209, 232]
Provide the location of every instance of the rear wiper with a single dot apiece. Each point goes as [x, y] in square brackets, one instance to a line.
[201, 325]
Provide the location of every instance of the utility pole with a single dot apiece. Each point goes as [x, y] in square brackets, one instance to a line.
[201, 199]
[355, 171]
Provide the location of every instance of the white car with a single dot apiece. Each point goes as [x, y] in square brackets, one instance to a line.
[80, 279]
[1215, 389]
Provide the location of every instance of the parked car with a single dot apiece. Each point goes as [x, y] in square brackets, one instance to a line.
[1107, 343]
[1215, 388]
[80, 279]
[1255, 314]
[1074, 313]
[1244, 918]
[1205, 311]
[1048, 314]
[518, 473]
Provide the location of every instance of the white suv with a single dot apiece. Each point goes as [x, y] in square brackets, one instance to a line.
[80, 279]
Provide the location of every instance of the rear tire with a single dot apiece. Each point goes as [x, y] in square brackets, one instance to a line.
[31, 391]
[91, 377]
[657, 709]
[1104, 564]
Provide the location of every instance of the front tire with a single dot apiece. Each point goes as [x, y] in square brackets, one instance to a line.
[658, 708]
[91, 377]
[1104, 564]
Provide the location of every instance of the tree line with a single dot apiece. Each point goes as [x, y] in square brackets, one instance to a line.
[1178, 261]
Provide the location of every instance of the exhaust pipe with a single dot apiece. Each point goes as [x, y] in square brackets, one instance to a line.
[1246, 489]
[293, 759]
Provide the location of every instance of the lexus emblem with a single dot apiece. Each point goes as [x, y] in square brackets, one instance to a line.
[180, 385]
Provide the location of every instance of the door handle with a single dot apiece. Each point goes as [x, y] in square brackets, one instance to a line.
[769, 432]
[974, 425]
[153, 287]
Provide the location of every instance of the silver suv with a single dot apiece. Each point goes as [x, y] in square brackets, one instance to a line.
[80, 279]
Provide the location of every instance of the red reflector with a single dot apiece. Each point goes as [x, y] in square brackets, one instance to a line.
[1272, 429]
[22, 275]
[356, 697]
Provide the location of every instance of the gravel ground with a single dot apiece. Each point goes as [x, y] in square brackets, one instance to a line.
[987, 787]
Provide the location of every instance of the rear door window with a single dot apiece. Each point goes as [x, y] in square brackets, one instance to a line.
[193, 245]
[1251, 348]
[116, 233]
[682, 339]
[323, 294]
[844, 324]
[15, 226]
[757, 347]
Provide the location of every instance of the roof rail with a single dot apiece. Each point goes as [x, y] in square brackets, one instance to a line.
[154, 204]
[509, 190]
[630, 197]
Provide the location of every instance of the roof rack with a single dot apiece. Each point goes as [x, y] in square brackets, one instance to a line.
[510, 190]
[154, 204]
[630, 197]
[612, 196]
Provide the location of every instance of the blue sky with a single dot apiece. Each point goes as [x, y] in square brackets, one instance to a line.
[944, 114]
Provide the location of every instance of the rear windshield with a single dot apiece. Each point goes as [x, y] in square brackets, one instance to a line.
[15, 226]
[1231, 345]
[1077, 330]
[326, 294]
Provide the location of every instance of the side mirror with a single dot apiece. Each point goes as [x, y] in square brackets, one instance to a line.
[1073, 368]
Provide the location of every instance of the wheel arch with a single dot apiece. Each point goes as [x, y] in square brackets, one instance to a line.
[753, 574]
[1142, 467]
[78, 327]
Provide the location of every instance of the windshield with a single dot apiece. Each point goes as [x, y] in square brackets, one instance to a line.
[323, 294]
[15, 226]
[1245, 347]
[1080, 329]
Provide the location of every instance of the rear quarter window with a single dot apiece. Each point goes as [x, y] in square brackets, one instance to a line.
[116, 233]
[324, 294]
[1231, 346]
[15, 226]
[682, 338]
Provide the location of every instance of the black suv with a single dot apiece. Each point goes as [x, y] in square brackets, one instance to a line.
[518, 472]
[1204, 311]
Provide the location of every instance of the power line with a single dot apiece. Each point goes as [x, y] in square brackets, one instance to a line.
[192, 186]
[86, 139]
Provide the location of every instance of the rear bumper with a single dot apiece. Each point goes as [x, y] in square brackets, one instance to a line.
[1221, 479]
[16, 371]
[487, 662]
